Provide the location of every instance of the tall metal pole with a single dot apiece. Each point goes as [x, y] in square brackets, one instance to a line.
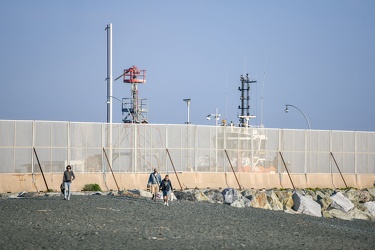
[109, 72]
[109, 89]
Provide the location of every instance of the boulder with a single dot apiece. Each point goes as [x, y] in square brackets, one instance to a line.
[249, 193]
[96, 193]
[238, 203]
[230, 195]
[358, 196]
[290, 211]
[214, 195]
[79, 193]
[260, 201]
[21, 195]
[274, 201]
[371, 192]
[324, 202]
[285, 197]
[187, 195]
[53, 194]
[339, 201]
[312, 193]
[305, 205]
[326, 214]
[144, 193]
[200, 196]
[320, 195]
[336, 213]
[246, 201]
[135, 191]
[370, 207]
[355, 213]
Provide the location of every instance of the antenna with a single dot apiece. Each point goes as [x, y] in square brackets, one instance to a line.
[245, 100]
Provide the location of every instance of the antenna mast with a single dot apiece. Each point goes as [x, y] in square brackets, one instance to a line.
[245, 100]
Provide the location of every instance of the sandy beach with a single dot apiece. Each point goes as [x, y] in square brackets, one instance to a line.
[125, 222]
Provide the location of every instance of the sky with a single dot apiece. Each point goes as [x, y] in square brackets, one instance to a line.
[318, 56]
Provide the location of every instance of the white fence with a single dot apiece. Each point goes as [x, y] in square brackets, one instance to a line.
[138, 148]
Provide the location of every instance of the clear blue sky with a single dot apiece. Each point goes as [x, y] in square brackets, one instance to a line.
[316, 55]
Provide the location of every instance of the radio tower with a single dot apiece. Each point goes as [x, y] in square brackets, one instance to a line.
[245, 100]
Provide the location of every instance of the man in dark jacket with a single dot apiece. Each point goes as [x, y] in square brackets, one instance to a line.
[68, 177]
[166, 187]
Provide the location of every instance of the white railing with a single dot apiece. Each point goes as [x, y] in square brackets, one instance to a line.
[142, 147]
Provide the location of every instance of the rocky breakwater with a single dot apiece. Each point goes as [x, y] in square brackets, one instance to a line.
[343, 204]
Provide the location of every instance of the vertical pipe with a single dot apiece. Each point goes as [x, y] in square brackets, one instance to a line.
[188, 103]
[109, 72]
[109, 87]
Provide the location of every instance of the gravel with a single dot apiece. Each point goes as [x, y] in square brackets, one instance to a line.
[125, 222]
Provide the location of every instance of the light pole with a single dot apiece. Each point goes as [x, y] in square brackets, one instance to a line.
[287, 110]
[216, 117]
[188, 110]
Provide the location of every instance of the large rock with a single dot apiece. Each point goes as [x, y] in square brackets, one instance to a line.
[326, 214]
[230, 195]
[274, 201]
[200, 196]
[306, 205]
[249, 193]
[285, 197]
[372, 192]
[339, 201]
[325, 202]
[370, 207]
[246, 201]
[355, 213]
[238, 203]
[144, 193]
[260, 200]
[187, 195]
[214, 195]
[336, 213]
[358, 196]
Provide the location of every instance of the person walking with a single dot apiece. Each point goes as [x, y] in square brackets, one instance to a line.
[154, 183]
[68, 177]
[166, 187]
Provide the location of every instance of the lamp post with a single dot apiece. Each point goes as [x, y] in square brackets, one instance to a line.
[287, 110]
[188, 110]
[216, 117]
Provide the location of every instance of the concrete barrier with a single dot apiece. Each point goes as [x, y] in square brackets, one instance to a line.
[35, 183]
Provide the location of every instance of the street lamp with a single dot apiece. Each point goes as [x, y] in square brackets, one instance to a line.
[216, 116]
[287, 110]
[188, 110]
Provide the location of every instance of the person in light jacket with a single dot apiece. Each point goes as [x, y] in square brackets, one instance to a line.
[154, 183]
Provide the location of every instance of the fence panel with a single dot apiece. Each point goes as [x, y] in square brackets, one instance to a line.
[142, 147]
